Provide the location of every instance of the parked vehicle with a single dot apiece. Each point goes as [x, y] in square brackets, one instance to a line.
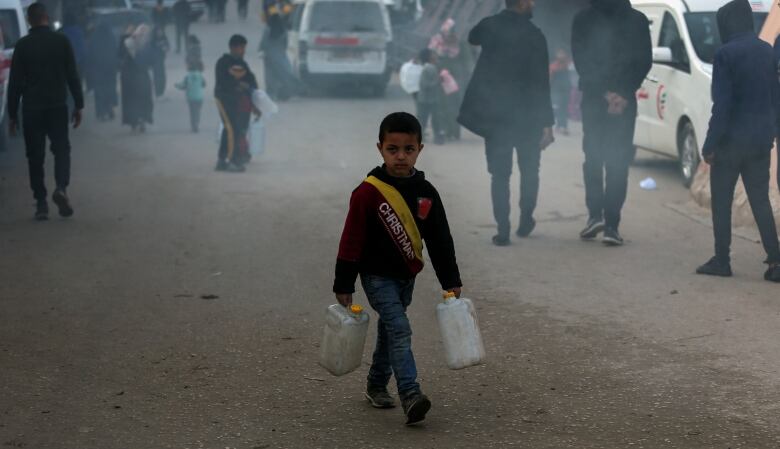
[335, 42]
[13, 26]
[675, 101]
[198, 7]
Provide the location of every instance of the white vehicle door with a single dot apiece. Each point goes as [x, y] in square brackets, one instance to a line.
[646, 113]
[674, 85]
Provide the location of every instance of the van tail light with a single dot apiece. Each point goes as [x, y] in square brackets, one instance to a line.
[340, 41]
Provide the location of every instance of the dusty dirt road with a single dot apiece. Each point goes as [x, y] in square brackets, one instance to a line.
[106, 340]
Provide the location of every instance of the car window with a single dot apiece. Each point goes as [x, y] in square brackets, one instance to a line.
[107, 4]
[703, 28]
[346, 17]
[670, 37]
[10, 26]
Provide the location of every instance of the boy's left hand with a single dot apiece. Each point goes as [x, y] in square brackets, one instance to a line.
[457, 291]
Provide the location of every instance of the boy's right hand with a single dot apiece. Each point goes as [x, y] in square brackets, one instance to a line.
[345, 299]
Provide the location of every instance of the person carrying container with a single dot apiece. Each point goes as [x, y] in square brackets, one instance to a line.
[390, 214]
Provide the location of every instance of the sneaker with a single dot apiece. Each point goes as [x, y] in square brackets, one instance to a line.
[501, 240]
[42, 211]
[60, 198]
[773, 273]
[612, 237]
[379, 398]
[416, 405]
[235, 168]
[714, 267]
[593, 229]
[525, 228]
[221, 165]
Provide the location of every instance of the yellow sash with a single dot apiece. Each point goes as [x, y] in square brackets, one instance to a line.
[397, 202]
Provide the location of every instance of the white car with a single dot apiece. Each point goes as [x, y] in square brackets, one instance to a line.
[675, 100]
[342, 42]
[13, 27]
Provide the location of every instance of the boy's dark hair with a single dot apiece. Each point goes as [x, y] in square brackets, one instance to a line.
[400, 122]
[36, 13]
[237, 40]
[425, 56]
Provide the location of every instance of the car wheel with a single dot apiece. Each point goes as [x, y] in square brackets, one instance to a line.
[379, 89]
[689, 154]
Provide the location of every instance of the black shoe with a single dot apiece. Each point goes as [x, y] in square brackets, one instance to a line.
[593, 229]
[42, 211]
[221, 166]
[773, 273]
[60, 198]
[235, 168]
[612, 237]
[379, 397]
[525, 228]
[416, 405]
[501, 240]
[714, 267]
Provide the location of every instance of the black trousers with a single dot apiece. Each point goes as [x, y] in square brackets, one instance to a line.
[182, 31]
[608, 143]
[754, 169]
[233, 144]
[499, 150]
[38, 125]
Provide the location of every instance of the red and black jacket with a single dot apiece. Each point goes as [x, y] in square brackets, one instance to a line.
[367, 248]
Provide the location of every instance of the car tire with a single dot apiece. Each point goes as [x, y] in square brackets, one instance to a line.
[379, 89]
[688, 149]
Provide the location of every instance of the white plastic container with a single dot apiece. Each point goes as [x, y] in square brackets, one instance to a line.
[343, 339]
[460, 332]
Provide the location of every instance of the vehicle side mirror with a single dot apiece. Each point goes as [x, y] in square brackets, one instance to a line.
[663, 55]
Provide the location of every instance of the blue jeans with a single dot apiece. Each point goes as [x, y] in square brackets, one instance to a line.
[393, 353]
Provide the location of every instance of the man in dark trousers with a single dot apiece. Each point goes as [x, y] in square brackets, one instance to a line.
[42, 71]
[742, 129]
[613, 55]
[233, 91]
[508, 103]
[182, 14]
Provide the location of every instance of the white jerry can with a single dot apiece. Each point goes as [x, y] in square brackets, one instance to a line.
[460, 332]
[343, 339]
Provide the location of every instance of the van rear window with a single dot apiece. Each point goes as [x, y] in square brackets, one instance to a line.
[10, 26]
[346, 17]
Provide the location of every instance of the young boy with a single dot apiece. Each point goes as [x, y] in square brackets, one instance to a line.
[390, 214]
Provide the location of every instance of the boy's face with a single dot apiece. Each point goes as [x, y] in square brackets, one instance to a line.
[400, 152]
[238, 51]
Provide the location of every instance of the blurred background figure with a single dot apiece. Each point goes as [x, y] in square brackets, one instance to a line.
[102, 66]
[135, 82]
[456, 57]
[73, 30]
[160, 15]
[281, 82]
[560, 87]
[159, 50]
[243, 9]
[193, 51]
[182, 15]
[431, 95]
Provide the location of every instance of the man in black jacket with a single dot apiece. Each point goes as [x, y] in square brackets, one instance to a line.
[613, 55]
[182, 15]
[508, 104]
[233, 91]
[741, 132]
[42, 71]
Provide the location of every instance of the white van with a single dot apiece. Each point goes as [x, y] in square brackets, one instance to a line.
[13, 27]
[675, 100]
[342, 42]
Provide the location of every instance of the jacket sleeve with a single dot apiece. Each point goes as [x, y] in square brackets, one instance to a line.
[542, 79]
[221, 79]
[581, 50]
[441, 248]
[637, 60]
[478, 34]
[72, 73]
[353, 239]
[15, 81]
[722, 103]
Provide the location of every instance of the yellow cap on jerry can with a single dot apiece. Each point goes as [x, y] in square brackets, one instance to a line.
[356, 309]
[449, 295]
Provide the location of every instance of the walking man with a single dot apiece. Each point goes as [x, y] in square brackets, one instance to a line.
[508, 104]
[182, 14]
[613, 54]
[742, 129]
[42, 71]
[233, 91]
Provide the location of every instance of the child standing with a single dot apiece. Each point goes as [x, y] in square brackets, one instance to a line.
[194, 84]
[390, 214]
[431, 95]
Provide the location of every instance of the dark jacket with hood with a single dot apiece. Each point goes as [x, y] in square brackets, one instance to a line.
[510, 88]
[229, 90]
[366, 246]
[745, 89]
[612, 49]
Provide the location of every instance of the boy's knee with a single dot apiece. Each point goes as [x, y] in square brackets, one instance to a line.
[399, 327]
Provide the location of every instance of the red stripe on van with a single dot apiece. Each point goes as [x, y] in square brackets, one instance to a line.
[341, 41]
